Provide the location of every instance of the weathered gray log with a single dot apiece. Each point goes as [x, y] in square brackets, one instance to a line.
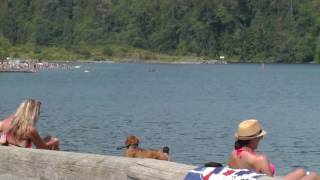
[44, 164]
[32, 164]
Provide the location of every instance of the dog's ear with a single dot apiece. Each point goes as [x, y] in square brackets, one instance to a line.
[135, 140]
[129, 140]
[132, 140]
[126, 143]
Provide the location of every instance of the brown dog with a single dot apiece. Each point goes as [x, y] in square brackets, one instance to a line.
[133, 150]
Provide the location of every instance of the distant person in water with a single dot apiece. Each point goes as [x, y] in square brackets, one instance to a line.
[244, 156]
[19, 129]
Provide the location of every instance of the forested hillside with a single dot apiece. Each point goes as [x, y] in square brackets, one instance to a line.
[285, 31]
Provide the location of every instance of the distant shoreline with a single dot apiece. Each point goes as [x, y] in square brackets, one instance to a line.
[173, 62]
[143, 61]
[191, 62]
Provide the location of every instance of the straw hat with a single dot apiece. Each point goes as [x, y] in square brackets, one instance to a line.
[249, 129]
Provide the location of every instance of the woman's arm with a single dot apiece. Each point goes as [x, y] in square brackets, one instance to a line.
[33, 134]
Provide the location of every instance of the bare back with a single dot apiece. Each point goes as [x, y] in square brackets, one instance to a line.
[249, 160]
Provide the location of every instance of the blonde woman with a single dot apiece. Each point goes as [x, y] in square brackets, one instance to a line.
[19, 129]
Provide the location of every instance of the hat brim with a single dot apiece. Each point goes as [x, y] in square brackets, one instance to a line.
[263, 133]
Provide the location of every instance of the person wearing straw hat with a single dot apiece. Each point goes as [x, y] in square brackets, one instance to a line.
[248, 136]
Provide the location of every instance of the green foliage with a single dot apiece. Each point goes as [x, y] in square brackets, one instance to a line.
[250, 31]
[317, 53]
[85, 53]
[4, 42]
[4, 47]
[40, 56]
[15, 55]
[107, 51]
[37, 50]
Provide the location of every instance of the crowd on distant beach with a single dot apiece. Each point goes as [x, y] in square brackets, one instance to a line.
[19, 130]
[31, 65]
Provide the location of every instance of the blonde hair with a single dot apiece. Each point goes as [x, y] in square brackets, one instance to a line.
[26, 115]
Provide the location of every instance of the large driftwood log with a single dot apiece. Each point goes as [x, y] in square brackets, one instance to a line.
[21, 163]
[32, 164]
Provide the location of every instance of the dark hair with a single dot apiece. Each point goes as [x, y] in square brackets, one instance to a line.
[166, 149]
[241, 143]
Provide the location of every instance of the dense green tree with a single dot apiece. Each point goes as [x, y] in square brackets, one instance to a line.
[248, 30]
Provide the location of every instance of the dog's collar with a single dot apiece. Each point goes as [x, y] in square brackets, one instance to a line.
[132, 145]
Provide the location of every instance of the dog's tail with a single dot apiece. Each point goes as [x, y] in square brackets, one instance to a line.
[166, 149]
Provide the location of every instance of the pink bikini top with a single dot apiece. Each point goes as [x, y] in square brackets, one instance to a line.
[5, 135]
[4, 141]
[240, 150]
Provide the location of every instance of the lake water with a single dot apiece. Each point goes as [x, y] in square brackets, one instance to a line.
[193, 109]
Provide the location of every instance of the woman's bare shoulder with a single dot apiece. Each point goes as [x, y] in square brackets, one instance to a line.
[252, 158]
[5, 121]
[261, 158]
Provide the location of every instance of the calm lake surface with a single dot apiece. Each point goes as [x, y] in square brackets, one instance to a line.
[193, 109]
